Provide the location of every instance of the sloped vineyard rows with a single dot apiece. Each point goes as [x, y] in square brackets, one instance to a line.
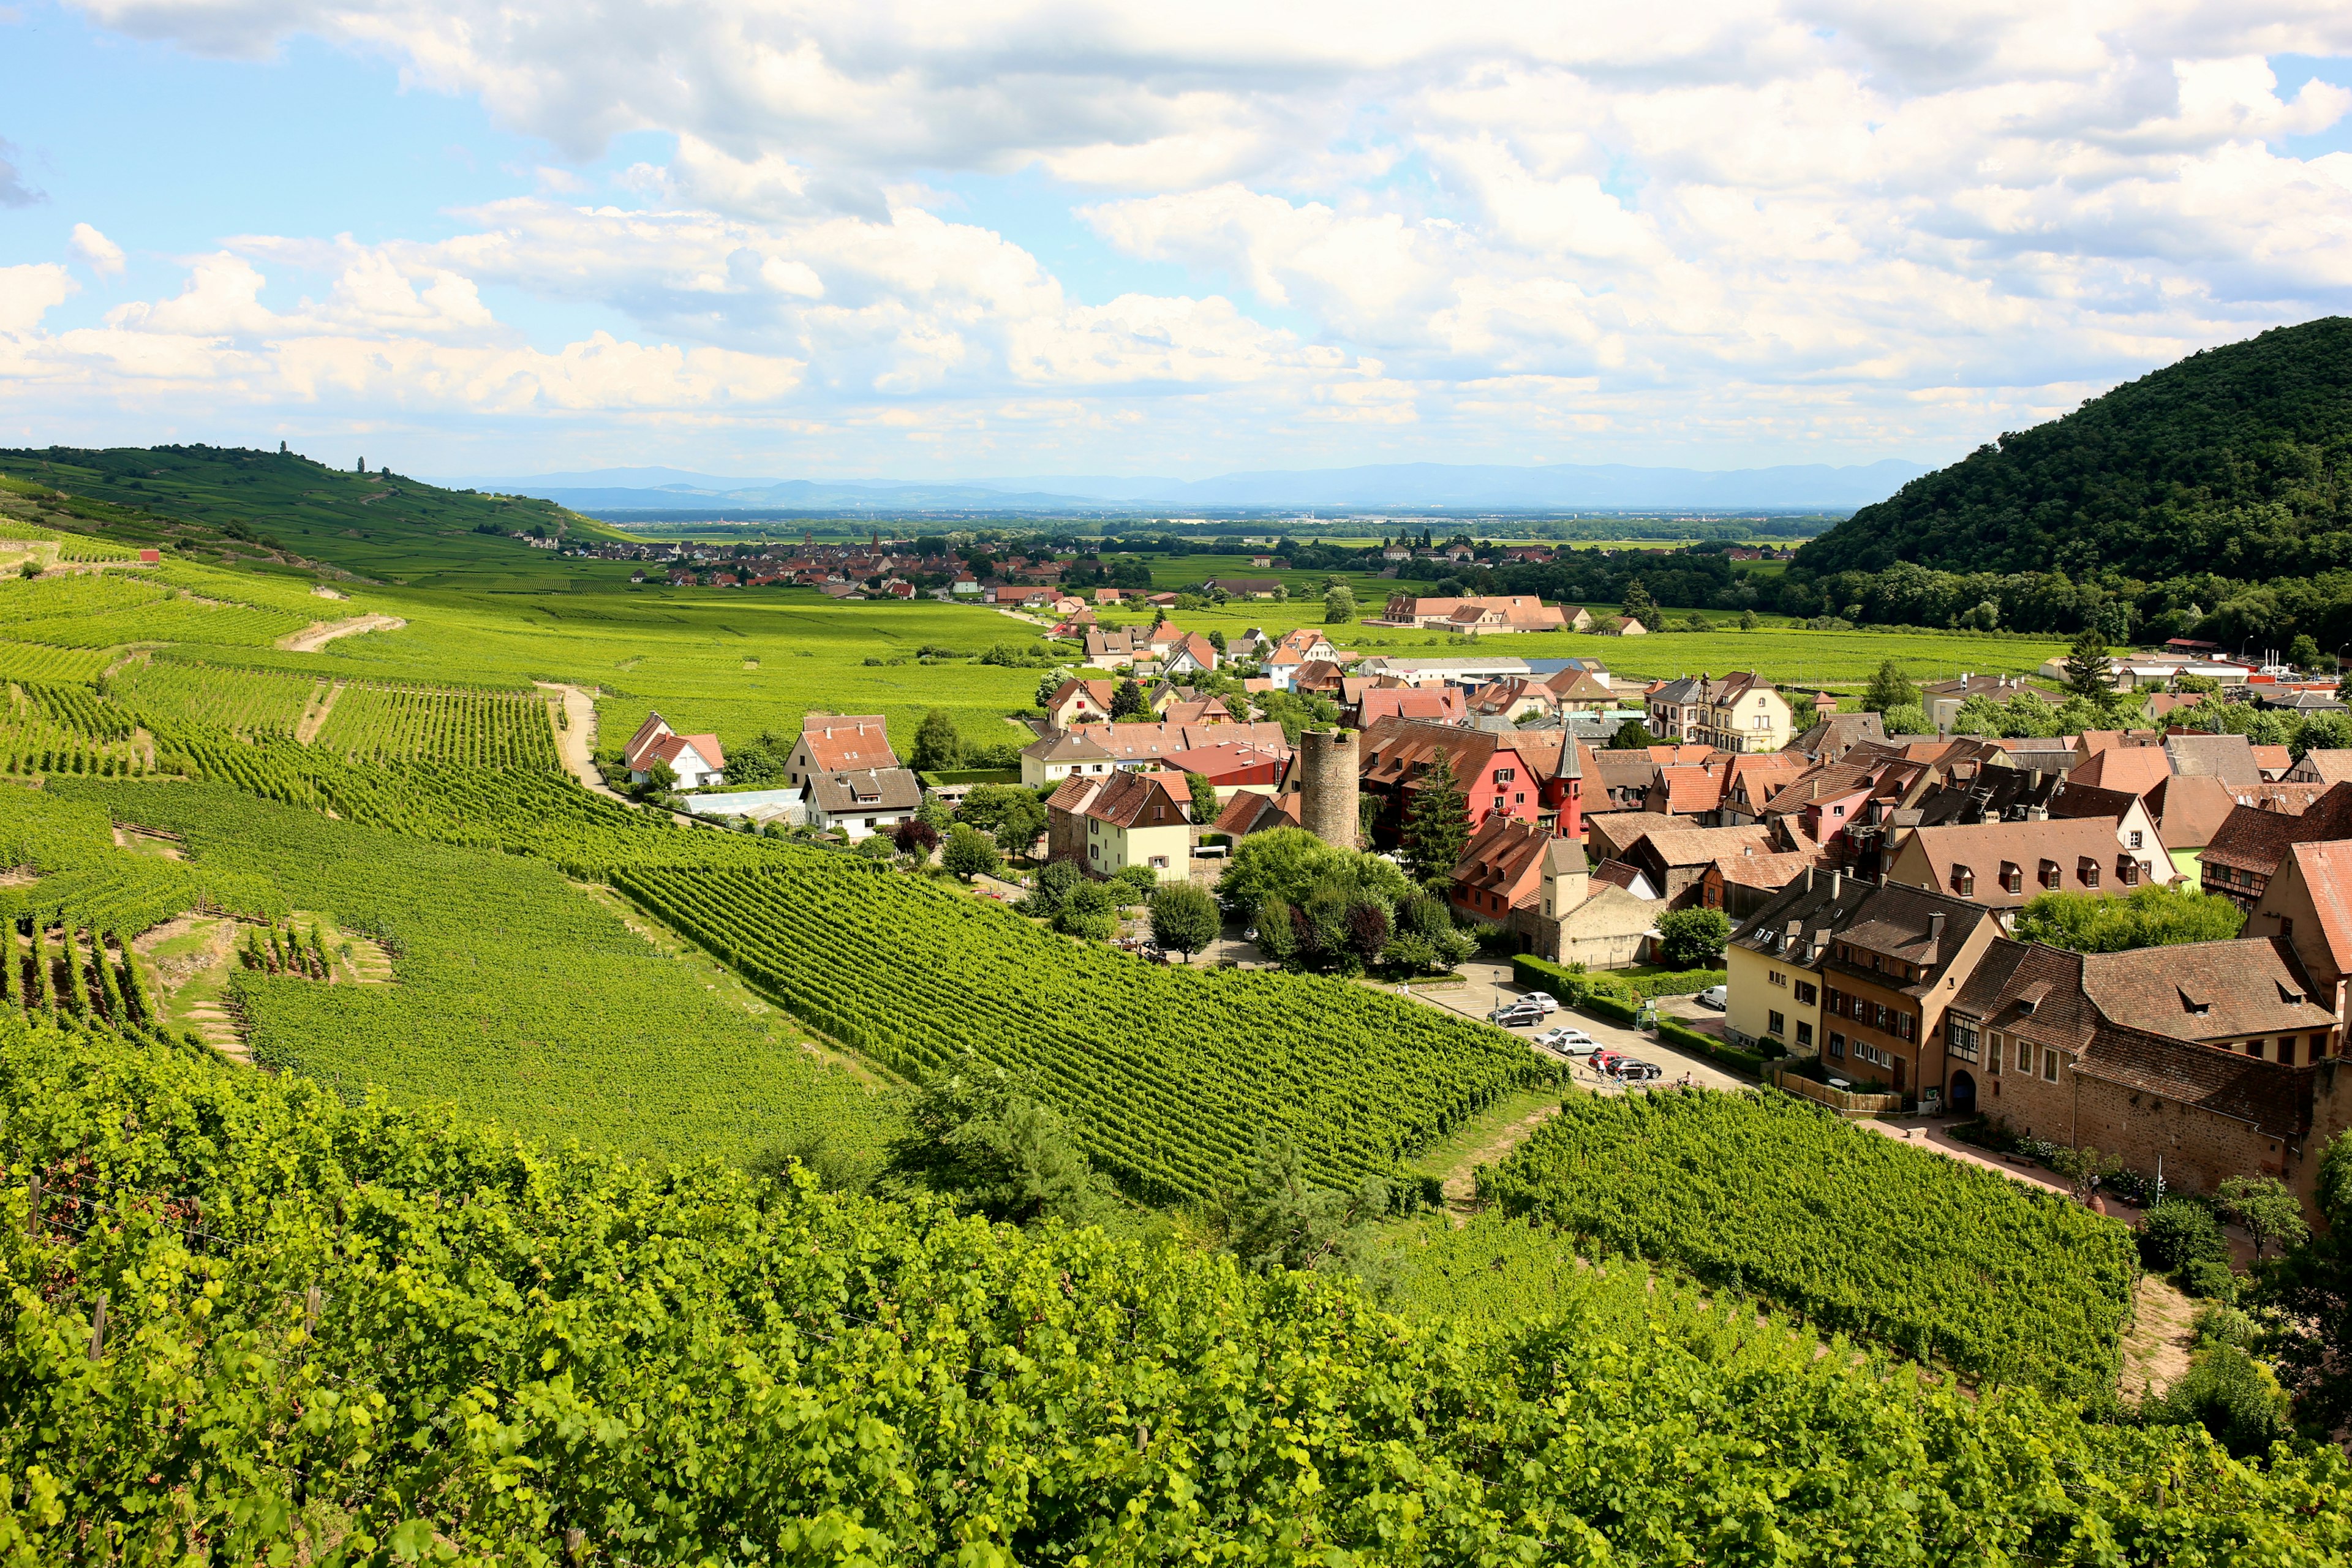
[352, 1334]
[1171, 1073]
[460, 729]
[1944, 1261]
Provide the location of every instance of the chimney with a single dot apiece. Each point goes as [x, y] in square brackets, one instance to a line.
[1837, 883]
[1936, 927]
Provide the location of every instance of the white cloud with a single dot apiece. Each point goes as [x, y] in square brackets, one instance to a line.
[1536, 232]
[96, 252]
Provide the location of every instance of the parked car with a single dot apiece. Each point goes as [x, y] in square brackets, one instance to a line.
[1516, 1015]
[1632, 1069]
[1570, 1042]
[1716, 997]
[1539, 999]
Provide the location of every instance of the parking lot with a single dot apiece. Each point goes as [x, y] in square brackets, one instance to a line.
[1488, 985]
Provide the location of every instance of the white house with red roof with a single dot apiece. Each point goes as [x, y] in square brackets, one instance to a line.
[696, 759]
[839, 743]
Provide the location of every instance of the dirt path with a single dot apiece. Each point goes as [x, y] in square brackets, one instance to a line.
[2155, 1349]
[1461, 1185]
[314, 717]
[576, 741]
[319, 634]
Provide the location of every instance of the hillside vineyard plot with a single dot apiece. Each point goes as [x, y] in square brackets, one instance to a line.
[1944, 1261]
[1171, 1074]
[245, 702]
[468, 728]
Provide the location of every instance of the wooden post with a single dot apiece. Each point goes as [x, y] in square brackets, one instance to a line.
[33, 1216]
[98, 1327]
[310, 1313]
[575, 1543]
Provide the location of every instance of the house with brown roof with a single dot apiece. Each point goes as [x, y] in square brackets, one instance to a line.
[1431, 704]
[1188, 654]
[2309, 903]
[1133, 819]
[1080, 703]
[2132, 770]
[1676, 859]
[2230, 758]
[1538, 887]
[2250, 996]
[1741, 884]
[1695, 791]
[1752, 780]
[1583, 691]
[862, 801]
[2321, 765]
[2001, 864]
[2135, 825]
[2251, 842]
[1500, 869]
[1887, 975]
[839, 743]
[1831, 737]
[1622, 780]
[1514, 700]
[1250, 810]
[2031, 1022]
[1479, 616]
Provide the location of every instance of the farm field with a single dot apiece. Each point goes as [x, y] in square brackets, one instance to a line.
[516, 996]
[1946, 1262]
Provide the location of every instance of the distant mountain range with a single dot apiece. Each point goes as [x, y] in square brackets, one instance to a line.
[1405, 487]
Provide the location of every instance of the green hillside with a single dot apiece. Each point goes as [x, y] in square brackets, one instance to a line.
[2236, 461]
[280, 509]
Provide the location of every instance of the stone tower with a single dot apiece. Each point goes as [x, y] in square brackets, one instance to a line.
[1327, 787]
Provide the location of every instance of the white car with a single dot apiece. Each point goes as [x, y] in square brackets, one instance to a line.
[1538, 999]
[1569, 1042]
[1716, 997]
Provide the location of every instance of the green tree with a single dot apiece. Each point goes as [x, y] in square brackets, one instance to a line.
[1011, 813]
[2088, 672]
[1183, 918]
[1128, 702]
[937, 742]
[1637, 605]
[1203, 797]
[1047, 684]
[2304, 652]
[970, 852]
[1890, 688]
[1280, 1219]
[1339, 606]
[1905, 719]
[2084, 1169]
[1276, 932]
[661, 779]
[2146, 916]
[2265, 1210]
[975, 1135]
[1693, 939]
[1633, 737]
[2309, 1290]
[1749, 621]
[1437, 823]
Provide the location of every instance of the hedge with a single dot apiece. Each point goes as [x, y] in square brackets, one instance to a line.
[1676, 1033]
[1541, 973]
[943, 777]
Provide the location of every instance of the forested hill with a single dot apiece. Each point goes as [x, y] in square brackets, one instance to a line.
[377, 525]
[2237, 460]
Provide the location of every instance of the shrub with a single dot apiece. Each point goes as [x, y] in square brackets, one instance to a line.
[2177, 1233]
[2208, 1279]
[1094, 925]
[970, 852]
[1689, 938]
[2231, 1396]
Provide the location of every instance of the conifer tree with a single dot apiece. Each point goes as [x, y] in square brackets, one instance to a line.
[1437, 823]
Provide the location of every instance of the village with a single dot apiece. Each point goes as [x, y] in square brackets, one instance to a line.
[1866, 885]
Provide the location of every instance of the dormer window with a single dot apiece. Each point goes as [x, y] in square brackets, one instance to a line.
[2049, 875]
[2088, 871]
[2012, 879]
[1964, 881]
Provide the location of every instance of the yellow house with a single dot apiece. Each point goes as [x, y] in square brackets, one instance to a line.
[1134, 820]
[1746, 714]
[1772, 963]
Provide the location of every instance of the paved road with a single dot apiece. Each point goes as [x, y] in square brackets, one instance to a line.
[1487, 983]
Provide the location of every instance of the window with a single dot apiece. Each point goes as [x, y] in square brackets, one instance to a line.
[1964, 881]
[2135, 839]
[1519, 799]
[2254, 1047]
[2127, 872]
[1837, 1045]
[1837, 811]
[2088, 871]
[2287, 1050]
[2318, 1044]
[1774, 1023]
[2025, 1056]
[2012, 880]
[2286, 925]
[1505, 775]
[2050, 1065]
[1804, 1033]
[1963, 1039]
[2049, 875]
[1805, 992]
[1781, 978]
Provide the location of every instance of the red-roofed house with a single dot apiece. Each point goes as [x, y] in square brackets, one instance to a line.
[1078, 702]
[2308, 901]
[839, 743]
[695, 759]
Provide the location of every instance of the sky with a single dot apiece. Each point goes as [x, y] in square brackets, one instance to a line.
[900, 240]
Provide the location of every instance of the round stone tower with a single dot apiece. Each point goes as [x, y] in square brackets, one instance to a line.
[1327, 787]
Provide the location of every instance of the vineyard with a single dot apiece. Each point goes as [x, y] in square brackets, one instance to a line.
[464, 729]
[37, 662]
[65, 730]
[246, 702]
[1173, 1074]
[1946, 1262]
[84, 879]
[410, 1340]
[516, 995]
